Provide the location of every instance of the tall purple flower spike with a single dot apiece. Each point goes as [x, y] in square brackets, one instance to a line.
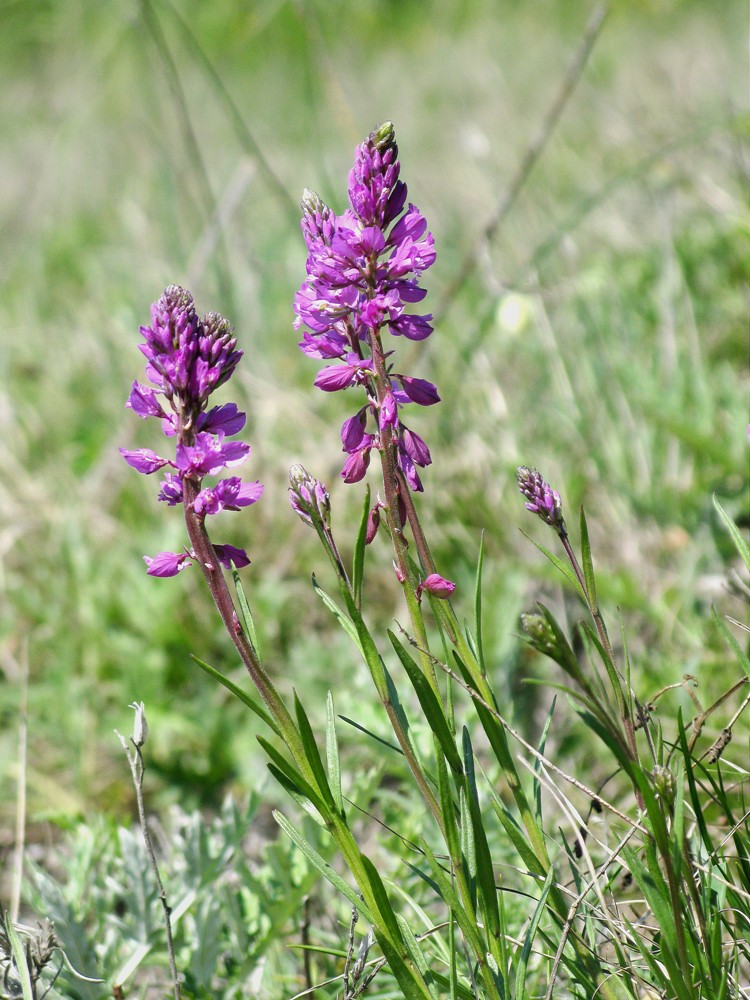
[363, 269]
[187, 358]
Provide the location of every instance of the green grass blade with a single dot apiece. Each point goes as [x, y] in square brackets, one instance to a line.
[358, 560]
[478, 610]
[485, 871]
[742, 657]
[523, 959]
[319, 862]
[312, 753]
[241, 695]
[346, 623]
[740, 543]
[19, 957]
[332, 755]
[433, 710]
[588, 565]
[247, 617]
[561, 566]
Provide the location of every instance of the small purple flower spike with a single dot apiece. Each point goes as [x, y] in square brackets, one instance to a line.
[541, 499]
[309, 497]
[187, 358]
[363, 269]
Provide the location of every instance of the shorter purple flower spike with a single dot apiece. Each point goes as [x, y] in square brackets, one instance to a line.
[187, 359]
[309, 497]
[541, 499]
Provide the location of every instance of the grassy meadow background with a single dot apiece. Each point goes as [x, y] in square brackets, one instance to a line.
[602, 336]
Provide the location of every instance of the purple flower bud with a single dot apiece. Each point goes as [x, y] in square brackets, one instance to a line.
[353, 430]
[309, 497]
[167, 563]
[373, 523]
[437, 585]
[541, 498]
[388, 411]
[144, 460]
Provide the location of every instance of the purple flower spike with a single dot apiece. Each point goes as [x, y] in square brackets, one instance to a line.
[187, 358]
[363, 269]
[541, 499]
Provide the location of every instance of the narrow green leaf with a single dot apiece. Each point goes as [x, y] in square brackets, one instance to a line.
[358, 560]
[346, 623]
[485, 871]
[247, 618]
[245, 698]
[739, 542]
[537, 787]
[288, 769]
[742, 657]
[383, 903]
[588, 565]
[324, 868]
[312, 753]
[379, 739]
[19, 957]
[417, 954]
[447, 808]
[523, 959]
[561, 566]
[465, 922]
[433, 710]
[332, 755]
[478, 609]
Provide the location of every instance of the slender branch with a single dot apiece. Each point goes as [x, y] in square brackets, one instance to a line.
[138, 768]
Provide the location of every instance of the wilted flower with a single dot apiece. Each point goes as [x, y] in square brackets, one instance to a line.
[362, 277]
[187, 358]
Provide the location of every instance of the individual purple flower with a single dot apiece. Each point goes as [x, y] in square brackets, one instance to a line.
[363, 269]
[167, 563]
[187, 359]
[541, 499]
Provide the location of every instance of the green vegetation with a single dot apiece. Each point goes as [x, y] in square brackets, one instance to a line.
[601, 336]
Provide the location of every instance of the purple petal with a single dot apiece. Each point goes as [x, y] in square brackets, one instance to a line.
[144, 460]
[411, 327]
[167, 563]
[335, 377]
[419, 390]
[415, 447]
[228, 554]
[227, 418]
[144, 402]
[355, 466]
[353, 430]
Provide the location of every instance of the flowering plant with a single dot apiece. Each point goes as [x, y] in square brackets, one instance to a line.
[363, 272]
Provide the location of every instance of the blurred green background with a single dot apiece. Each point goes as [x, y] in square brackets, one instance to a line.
[602, 337]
